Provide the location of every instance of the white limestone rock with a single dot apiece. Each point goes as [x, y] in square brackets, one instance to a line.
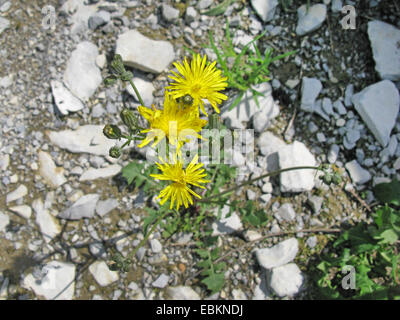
[378, 105]
[102, 274]
[295, 155]
[286, 280]
[23, 211]
[85, 139]
[385, 40]
[226, 225]
[143, 53]
[18, 193]
[58, 282]
[48, 225]
[4, 221]
[102, 173]
[181, 293]
[82, 76]
[53, 176]
[64, 99]
[280, 254]
[145, 89]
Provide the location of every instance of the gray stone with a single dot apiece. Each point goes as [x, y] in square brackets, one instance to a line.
[82, 76]
[98, 111]
[339, 107]
[190, 15]
[155, 245]
[337, 6]
[79, 14]
[181, 293]
[286, 212]
[294, 155]
[169, 13]
[53, 176]
[161, 281]
[6, 81]
[327, 106]
[99, 19]
[358, 174]
[286, 280]
[64, 99]
[378, 106]
[348, 95]
[204, 4]
[310, 90]
[102, 173]
[143, 53]
[269, 146]
[57, 281]
[83, 208]
[4, 161]
[310, 20]
[312, 242]
[104, 207]
[102, 274]
[280, 254]
[265, 8]
[385, 40]
[316, 203]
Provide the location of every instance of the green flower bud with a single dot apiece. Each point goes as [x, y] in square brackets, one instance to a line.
[112, 132]
[115, 152]
[109, 81]
[118, 65]
[126, 76]
[129, 119]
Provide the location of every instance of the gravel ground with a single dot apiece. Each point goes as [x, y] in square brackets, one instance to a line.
[47, 175]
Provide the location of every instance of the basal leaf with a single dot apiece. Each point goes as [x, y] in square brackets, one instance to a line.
[388, 192]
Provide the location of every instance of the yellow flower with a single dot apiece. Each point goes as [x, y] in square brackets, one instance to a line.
[200, 80]
[174, 122]
[179, 190]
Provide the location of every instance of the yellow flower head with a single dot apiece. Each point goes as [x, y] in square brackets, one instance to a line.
[174, 122]
[201, 80]
[179, 190]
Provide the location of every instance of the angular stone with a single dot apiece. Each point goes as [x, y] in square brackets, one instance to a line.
[53, 176]
[286, 280]
[310, 90]
[102, 274]
[385, 40]
[296, 155]
[226, 225]
[358, 174]
[83, 208]
[4, 221]
[265, 8]
[280, 254]
[58, 282]
[82, 76]
[378, 106]
[310, 20]
[104, 207]
[161, 281]
[93, 174]
[286, 212]
[64, 99]
[86, 139]
[169, 13]
[269, 146]
[18, 193]
[4, 24]
[145, 89]
[48, 225]
[143, 53]
[23, 211]
[181, 293]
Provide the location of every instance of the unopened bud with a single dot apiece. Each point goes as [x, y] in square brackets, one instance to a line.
[129, 119]
[109, 81]
[118, 65]
[112, 131]
[115, 152]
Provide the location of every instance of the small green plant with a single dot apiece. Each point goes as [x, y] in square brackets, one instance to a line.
[371, 249]
[247, 68]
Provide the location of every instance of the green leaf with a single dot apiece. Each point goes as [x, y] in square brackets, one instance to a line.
[388, 192]
[220, 9]
[214, 282]
[387, 236]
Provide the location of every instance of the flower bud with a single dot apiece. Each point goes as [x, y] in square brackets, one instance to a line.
[129, 119]
[109, 81]
[112, 131]
[115, 152]
[118, 65]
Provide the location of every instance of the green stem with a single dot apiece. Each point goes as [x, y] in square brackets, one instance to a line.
[141, 244]
[273, 173]
[137, 93]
